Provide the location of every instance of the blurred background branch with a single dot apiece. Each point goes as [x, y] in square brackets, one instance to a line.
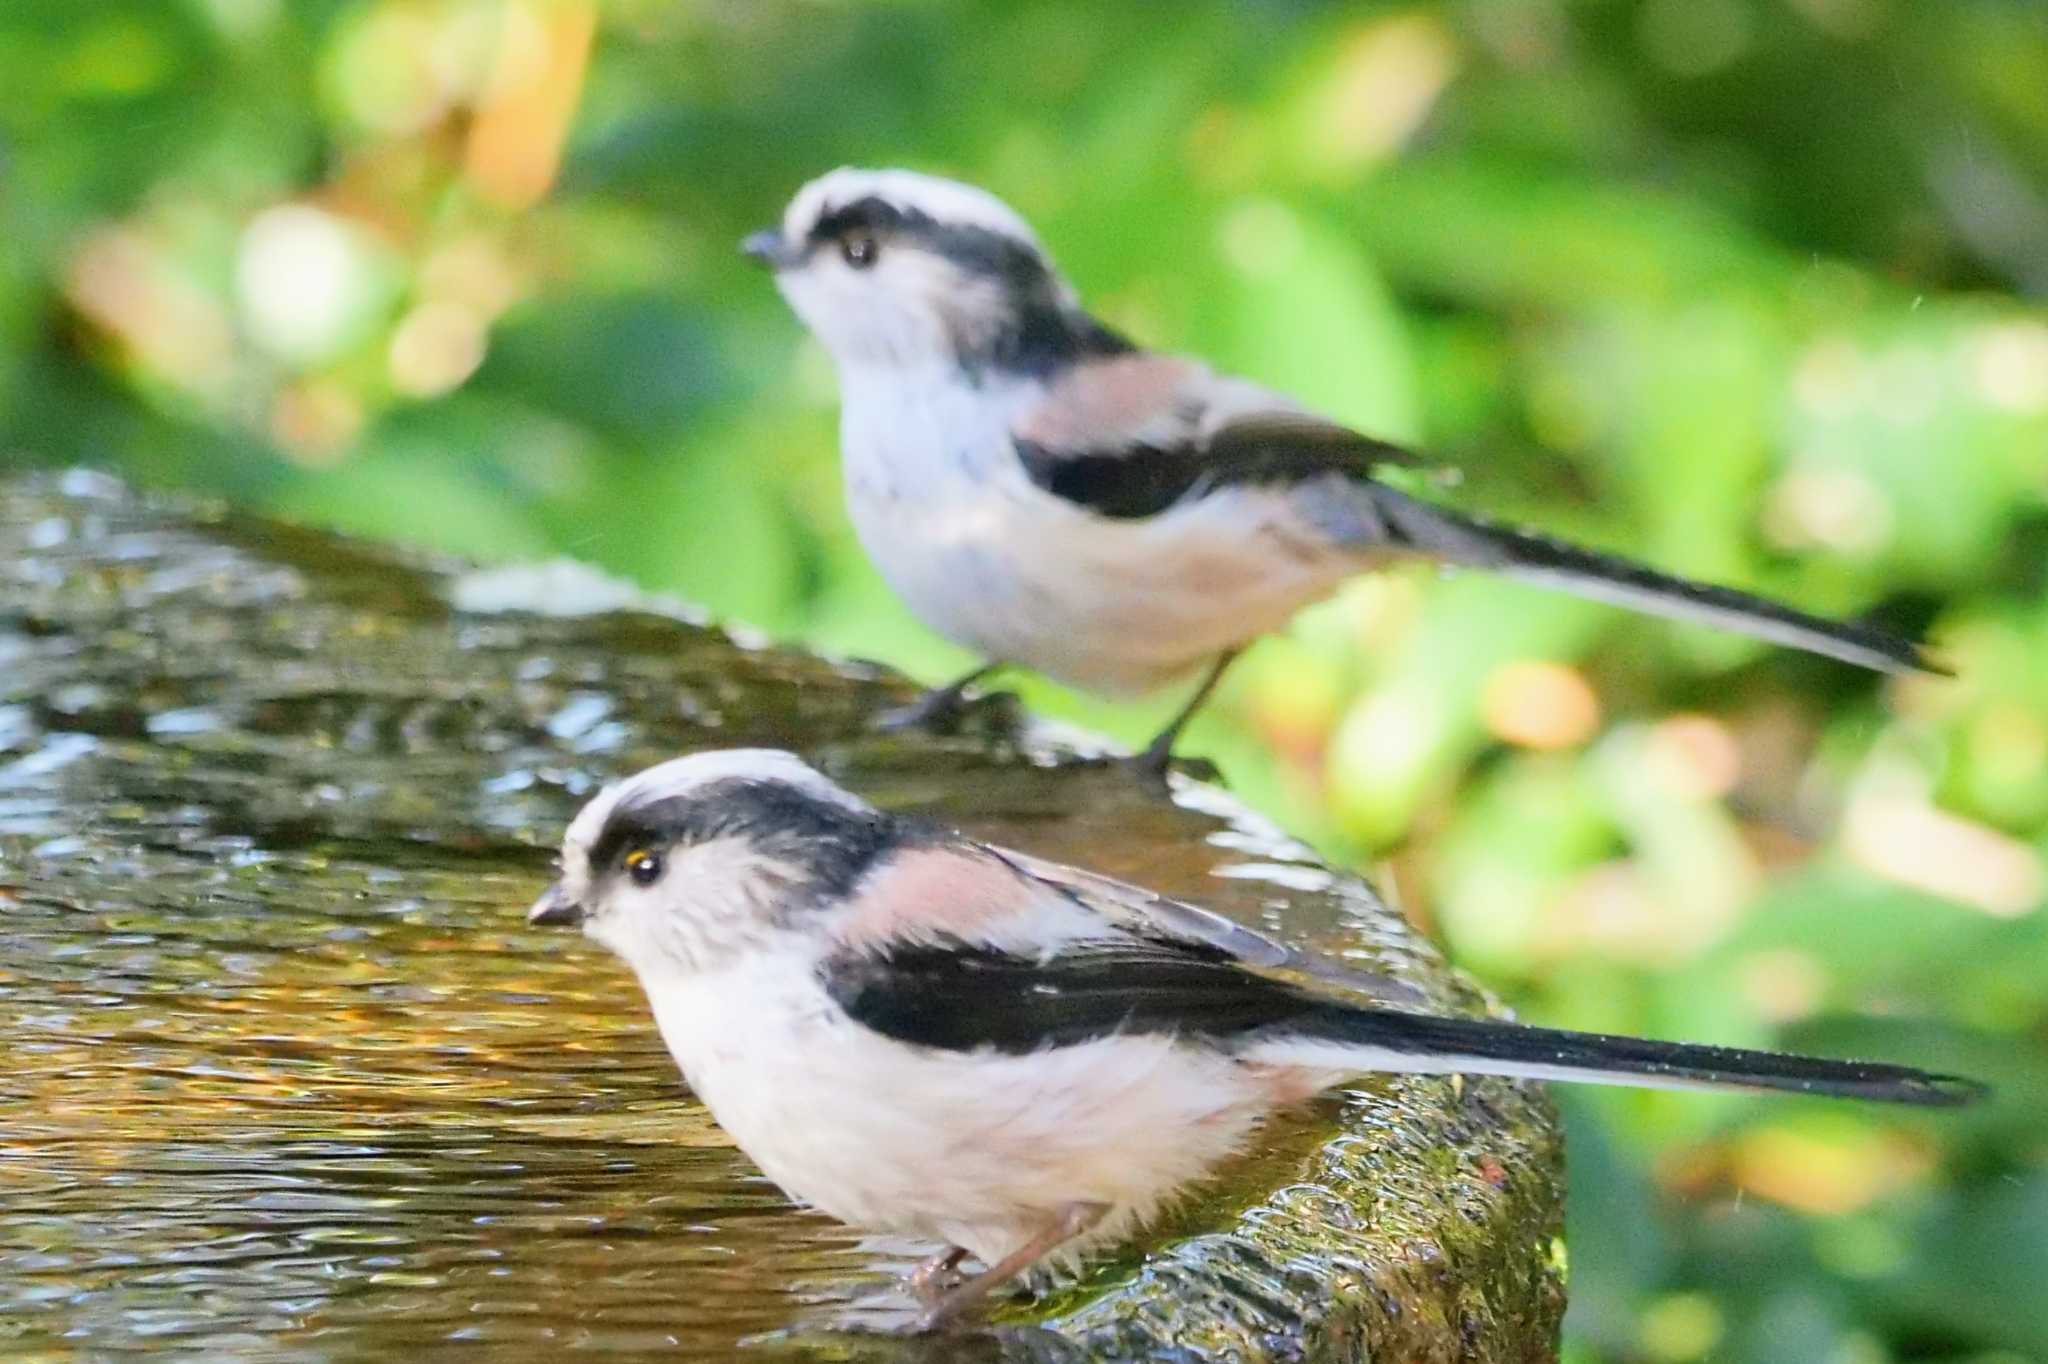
[1752, 288]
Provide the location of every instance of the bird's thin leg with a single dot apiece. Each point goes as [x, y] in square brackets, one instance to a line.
[933, 1276]
[937, 707]
[1074, 1219]
[1158, 754]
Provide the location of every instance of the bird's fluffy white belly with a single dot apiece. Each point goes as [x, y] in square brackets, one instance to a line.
[1119, 606]
[975, 1149]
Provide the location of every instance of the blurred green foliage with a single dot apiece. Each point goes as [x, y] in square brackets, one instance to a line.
[1752, 288]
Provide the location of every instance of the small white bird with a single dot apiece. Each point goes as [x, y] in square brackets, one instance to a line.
[1041, 491]
[925, 1035]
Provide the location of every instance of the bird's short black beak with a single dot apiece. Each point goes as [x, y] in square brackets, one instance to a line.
[554, 909]
[769, 248]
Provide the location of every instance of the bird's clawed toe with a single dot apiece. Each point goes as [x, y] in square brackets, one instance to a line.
[1151, 766]
[941, 709]
[937, 1276]
[936, 710]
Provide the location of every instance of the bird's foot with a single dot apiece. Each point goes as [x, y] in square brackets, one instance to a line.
[937, 1276]
[938, 709]
[942, 708]
[971, 1291]
[1151, 765]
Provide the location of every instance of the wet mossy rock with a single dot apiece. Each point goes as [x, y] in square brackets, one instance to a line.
[272, 804]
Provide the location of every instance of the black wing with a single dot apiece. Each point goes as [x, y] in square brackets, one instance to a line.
[958, 996]
[1131, 435]
[1135, 481]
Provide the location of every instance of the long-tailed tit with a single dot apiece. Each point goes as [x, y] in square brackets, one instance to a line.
[925, 1035]
[1045, 493]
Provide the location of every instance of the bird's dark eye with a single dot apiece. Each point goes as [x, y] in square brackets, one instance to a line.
[644, 866]
[860, 249]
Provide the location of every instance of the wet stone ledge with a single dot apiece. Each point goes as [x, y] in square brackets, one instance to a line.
[286, 1076]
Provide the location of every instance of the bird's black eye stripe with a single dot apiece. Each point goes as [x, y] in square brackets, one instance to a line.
[872, 216]
[981, 251]
[829, 845]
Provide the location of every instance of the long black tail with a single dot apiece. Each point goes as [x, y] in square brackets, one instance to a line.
[1397, 518]
[1384, 1039]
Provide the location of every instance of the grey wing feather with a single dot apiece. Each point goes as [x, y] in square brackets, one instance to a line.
[1137, 909]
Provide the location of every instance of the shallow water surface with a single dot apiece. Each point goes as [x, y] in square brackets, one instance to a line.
[283, 1074]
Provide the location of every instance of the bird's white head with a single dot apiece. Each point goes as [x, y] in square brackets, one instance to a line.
[689, 864]
[895, 270]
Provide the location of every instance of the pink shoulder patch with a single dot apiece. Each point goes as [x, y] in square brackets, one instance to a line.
[1110, 402]
[928, 892]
